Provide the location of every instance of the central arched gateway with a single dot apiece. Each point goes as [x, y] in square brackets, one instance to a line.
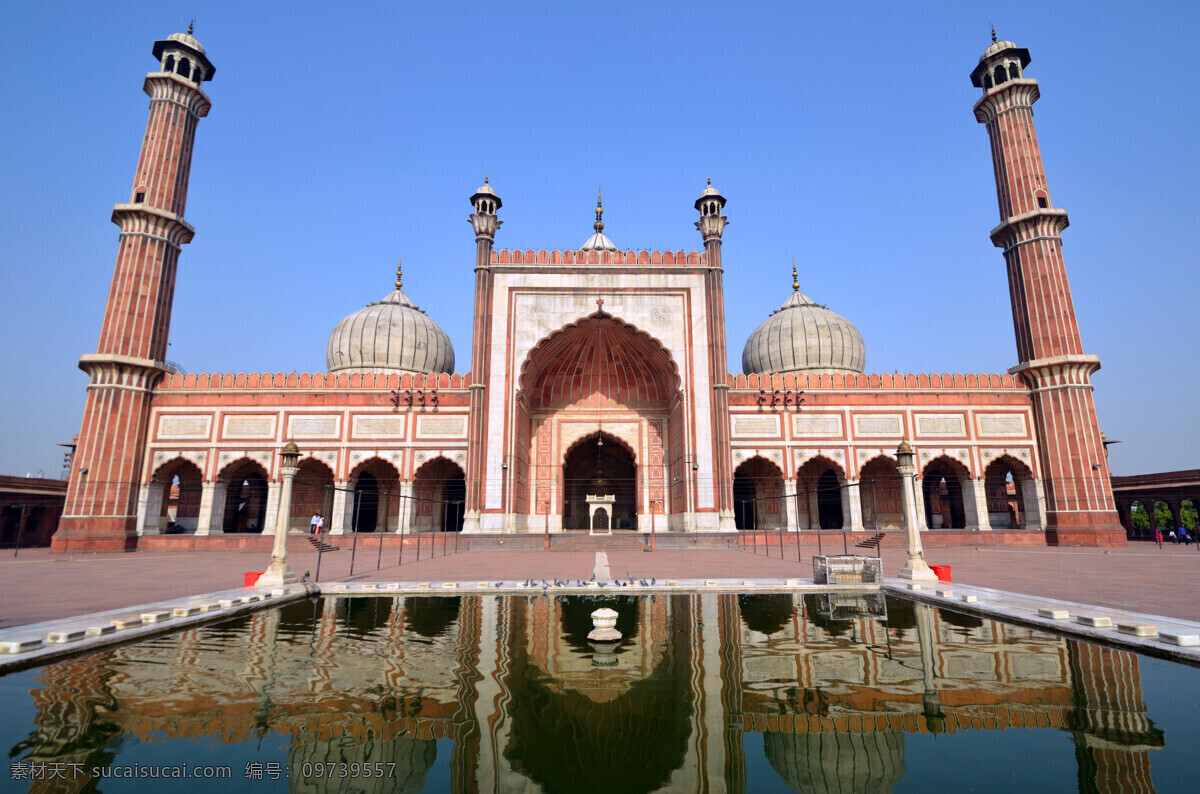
[599, 464]
[598, 410]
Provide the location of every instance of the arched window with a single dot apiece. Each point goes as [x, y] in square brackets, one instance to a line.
[185, 67]
[1000, 74]
[987, 82]
[169, 64]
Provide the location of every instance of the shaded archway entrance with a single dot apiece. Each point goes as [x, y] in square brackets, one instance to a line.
[600, 464]
[173, 498]
[942, 487]
[819, 487]
[757, 488]
[441, 492]
[245, 496]
[594, 371]
[312, 494]
[375, 506]
[1004, 482]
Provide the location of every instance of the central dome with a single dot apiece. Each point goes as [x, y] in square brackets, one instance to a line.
[803, 336]
[391, 335]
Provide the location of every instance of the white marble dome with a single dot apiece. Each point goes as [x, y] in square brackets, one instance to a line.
[802, 336]
[392, 335]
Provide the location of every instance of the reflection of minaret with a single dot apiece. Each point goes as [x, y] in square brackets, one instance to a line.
[1113, 735]
[72, 722]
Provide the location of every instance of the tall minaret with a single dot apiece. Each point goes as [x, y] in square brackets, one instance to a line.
[101, 507]
[712, 224]
[1079, 501]
[485, 223]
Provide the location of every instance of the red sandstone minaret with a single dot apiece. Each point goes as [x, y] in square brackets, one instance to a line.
[712, 224]
[101, 508]
[1079, 502]
[485, 223]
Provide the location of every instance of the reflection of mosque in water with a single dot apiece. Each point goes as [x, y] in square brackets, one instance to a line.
[528, 706]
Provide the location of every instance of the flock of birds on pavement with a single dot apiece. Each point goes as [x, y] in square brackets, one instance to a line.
[629, 581]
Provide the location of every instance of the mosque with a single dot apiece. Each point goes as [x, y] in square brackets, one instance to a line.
[596, 395]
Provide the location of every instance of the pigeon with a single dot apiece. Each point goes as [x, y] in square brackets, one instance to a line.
[644, 583]
[652, 581]
[497, 584]
[601, 584]
[593, 577]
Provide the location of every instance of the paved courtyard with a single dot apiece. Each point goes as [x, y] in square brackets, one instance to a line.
[38, 586]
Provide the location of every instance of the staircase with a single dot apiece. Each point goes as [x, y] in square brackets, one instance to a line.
[320, 545]
[870, 543]
[618, 541]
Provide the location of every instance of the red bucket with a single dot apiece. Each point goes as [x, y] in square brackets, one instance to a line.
[942, 572]
[250, 578]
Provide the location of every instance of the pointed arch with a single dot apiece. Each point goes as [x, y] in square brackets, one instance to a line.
[245, 483]
[601, 464]
[820, 488]
[441, 493]
[757, 494]
[599, 361]
[375, 505]
[173, 497]
[1010, 492]
[943, 483]
[312, 494]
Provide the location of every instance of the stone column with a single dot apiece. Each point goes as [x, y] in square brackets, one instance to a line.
[406, 507]
[975, 501]
[339, 517]
[852, 505]
[271, 515]
[212, 508]
[919, 502]
[916, 568]
[277, 572]
[149, 511]
[814, 510]
[1031, 503]
[791, 520]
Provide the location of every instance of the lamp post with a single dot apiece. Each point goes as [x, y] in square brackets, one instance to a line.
[277, 572]
[915, 569]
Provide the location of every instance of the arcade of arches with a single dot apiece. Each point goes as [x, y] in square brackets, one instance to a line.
[1164, 501]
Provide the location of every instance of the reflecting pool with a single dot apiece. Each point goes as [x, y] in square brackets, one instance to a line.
[752, 693]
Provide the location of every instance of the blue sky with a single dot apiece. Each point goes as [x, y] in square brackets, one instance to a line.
[842, 137]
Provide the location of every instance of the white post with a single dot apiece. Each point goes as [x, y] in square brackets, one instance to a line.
[852, 505]
[341, 509]
[916, 568]
[277, 572]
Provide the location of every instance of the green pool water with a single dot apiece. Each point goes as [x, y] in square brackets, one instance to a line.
[754, 693]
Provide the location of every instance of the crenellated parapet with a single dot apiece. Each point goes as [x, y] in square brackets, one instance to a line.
[884, 381]
[310, 381]
[570, 257]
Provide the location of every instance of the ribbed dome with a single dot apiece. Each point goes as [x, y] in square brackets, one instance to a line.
[187, 39]
[392, 335]
[802, 336]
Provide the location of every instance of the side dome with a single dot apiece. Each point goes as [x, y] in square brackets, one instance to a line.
[391, 335]
[802, 336]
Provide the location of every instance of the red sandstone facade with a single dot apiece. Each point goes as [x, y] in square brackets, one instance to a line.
[588, 367]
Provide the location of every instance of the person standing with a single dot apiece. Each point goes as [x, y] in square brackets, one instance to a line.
[1184, 536]
[312, 525]
[1158, 536]
[320, 524]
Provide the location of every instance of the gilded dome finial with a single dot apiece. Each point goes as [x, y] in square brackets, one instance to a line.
[599, 224]
[795, 278]
[399, 277]
[191, 26]
[485, 177]
[993, 33]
